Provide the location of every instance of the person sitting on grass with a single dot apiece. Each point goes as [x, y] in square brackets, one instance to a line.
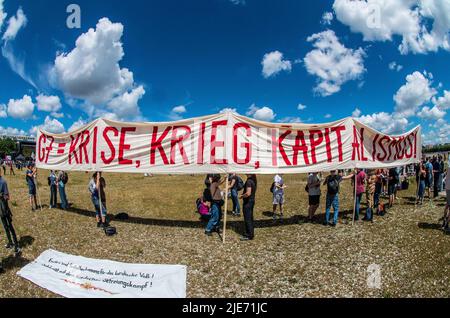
[97, 189]
[6, 217]
[30, 178]
[333, 182]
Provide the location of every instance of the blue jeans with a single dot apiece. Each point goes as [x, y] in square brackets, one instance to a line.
[235, 199]
[214, 219]
[421, 189]
[96, 203]
[358, 205]
[332, 200]
[62, 195]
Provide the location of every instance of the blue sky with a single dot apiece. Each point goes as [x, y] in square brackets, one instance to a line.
[262, 58]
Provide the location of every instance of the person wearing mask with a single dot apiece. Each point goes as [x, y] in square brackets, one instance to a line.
[30, 178]
[313, 188]
[97, 186]
[333, 182]
[216, 205]
[53, 183]
[248, 198]
[6, 217]
[63, 178]
[278, 195]
[422, 173]
[234, 187]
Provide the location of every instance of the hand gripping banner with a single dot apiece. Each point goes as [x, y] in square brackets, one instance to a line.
[225, 143]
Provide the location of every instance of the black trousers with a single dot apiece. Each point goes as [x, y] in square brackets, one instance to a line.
[436, 185]
[249, 230]
[53, 196]
[9, 230]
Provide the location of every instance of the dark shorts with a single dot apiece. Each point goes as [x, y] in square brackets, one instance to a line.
[314, 199]
[31, 190]
[391, 188]
[429, 182]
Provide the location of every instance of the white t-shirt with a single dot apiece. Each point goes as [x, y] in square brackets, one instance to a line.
[311, 180]
[278, 180]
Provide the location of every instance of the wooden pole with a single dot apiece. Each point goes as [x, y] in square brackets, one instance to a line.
[354, 201]
[100, 194]
[37, 191]
[226, 209]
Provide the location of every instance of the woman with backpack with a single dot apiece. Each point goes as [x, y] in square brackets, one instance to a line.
[216, 205]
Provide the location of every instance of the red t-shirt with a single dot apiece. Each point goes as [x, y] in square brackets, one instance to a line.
[360, 186]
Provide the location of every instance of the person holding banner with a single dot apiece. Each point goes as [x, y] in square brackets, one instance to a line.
[248, 198]
[333, 182]
[6, 217]
[97, 189]
[30, 177]
[216, 206]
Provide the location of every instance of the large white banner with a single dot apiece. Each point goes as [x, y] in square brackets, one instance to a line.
[79, 277]
[225, 143]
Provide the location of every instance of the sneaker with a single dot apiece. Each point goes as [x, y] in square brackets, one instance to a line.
[17, 250]
[208, 233]
[245, 238]
[325, 223]
[99, 224]
[332, 224]
[9, 246]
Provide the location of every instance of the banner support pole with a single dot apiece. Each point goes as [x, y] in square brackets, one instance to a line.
[37, 191]
[354, 198]
[226, 209]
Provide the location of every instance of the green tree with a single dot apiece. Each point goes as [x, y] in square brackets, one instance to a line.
[7, 146]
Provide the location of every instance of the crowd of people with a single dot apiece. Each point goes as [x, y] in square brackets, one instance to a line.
[371, 185]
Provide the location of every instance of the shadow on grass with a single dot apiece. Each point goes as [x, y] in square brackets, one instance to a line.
[26, 241]
[12, 262]
[429, 226]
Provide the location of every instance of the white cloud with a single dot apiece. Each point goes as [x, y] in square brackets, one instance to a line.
[264, 113]
[327, 18]
[2, 14]
[423, 25]
[238, 2]
[356, 113]
[16, 63]
[21, 108]
[328, 116]
[3, 113]
[332, 62]
[50, 125]
[12, 131]
[439, 134]
[15, 23]
[434, 113]
[393, 66]
[416, 92]
[48, 103]
[179, 109]
[301, 107]
[126, 106]
[273, 64]
[290, 120]
[385, 122]
[228, 110]
[443, 102]
[91, 72]
[78, 124]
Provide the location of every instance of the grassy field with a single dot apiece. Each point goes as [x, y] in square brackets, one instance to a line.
[286, 259]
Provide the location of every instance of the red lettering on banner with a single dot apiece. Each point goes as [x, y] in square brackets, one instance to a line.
[178, 140]
[83, 144]
[374, 149]
[415, 144]
[41, 150]
[123, 146]
[217, 144]
[380, 143]
[274, 148]
[410, 154]
[328, 145]
[363, 158]
[314, 143]
[94, 149]
[300, 145]
[201, 144]
[61, 147]
[281, 148]
[246, 145]
[338, 130]
[400, 148]
[110, 145]
[157, 145]
[355, 145]
[72, 149]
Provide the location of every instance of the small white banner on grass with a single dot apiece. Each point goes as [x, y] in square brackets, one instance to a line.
[80, 277]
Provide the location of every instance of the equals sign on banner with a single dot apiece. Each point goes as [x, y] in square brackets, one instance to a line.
[61, 148]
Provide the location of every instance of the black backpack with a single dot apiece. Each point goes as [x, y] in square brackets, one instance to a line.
[333, 185]
[239, 183]
[272, 187]
[65, 178]
[110, 231]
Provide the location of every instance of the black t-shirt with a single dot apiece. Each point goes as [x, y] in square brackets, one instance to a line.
[235, 178]
[393, 173]
[250, 184]
[436, 166]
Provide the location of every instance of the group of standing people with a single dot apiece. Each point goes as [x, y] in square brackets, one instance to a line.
[430, 177]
